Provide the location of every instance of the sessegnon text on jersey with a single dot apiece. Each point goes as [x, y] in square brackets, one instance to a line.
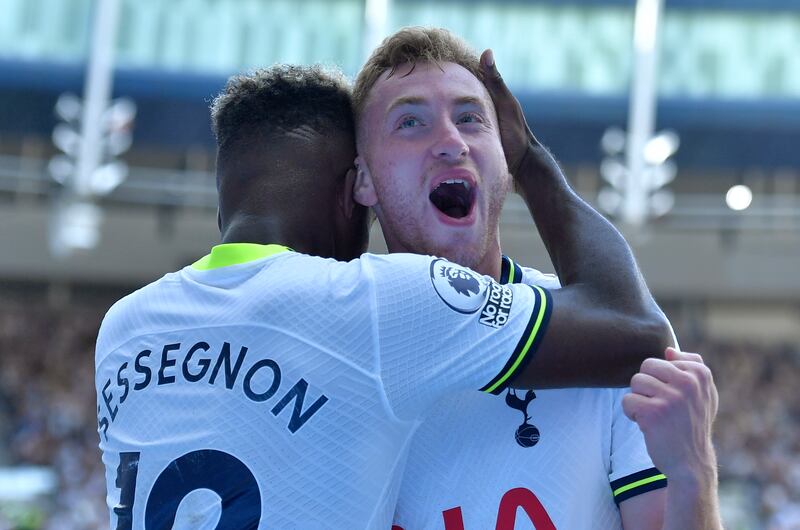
[202, 363]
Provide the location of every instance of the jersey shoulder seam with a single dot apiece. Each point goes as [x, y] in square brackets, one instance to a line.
[376, 342]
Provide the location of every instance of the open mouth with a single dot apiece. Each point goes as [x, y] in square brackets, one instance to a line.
[454, 198]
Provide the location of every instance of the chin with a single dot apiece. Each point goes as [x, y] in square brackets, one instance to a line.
[465, 247]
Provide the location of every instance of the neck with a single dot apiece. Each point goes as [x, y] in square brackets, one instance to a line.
[490, 263]
[316, 241]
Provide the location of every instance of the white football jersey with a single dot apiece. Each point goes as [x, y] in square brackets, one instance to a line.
[546, 459]
[262, 388]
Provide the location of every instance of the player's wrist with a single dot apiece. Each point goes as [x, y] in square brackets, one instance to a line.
[535, 168]
[692, 499]
[695, 477]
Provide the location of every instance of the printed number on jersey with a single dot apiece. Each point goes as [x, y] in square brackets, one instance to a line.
[206, 469]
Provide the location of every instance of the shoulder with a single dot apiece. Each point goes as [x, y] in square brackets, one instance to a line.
[403, 274]
[118, 321]
[399, 261]
[366, 264]
[368, 272]
[513, 272]
[139, 298]
[535, 277]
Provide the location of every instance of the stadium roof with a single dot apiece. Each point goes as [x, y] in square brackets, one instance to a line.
[173, 114]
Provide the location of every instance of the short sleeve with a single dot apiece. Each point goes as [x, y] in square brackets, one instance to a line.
[442, 327]
[632, 472]
[631, 469]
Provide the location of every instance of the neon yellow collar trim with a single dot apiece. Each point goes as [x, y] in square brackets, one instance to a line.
[236, 253]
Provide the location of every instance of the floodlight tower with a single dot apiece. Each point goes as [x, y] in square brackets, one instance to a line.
[638, 166]
[93, 132]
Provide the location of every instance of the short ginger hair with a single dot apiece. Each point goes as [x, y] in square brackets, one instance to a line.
[410, 45]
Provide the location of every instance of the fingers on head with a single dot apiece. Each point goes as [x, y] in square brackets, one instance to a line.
[487, 59]
[489, 67]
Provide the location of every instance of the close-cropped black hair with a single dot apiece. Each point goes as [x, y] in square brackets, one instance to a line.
[275, 100]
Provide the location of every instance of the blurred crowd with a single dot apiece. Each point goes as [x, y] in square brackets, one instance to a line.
[47, 397]
[48, 418]
[757, 433]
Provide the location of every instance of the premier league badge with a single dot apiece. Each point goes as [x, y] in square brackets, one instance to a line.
[461, 289]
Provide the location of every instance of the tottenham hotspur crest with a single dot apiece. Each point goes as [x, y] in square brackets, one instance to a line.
[527, 434]
[461, 289]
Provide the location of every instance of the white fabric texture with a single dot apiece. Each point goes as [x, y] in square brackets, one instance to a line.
[283, 391]
[466, 456]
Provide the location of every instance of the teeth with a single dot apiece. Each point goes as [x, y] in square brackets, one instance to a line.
[456, 181]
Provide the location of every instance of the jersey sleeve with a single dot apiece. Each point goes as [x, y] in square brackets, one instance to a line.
[632, 472]
[442, 327]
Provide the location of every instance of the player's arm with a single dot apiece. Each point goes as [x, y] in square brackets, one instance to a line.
[674, 402]
[637, 485]
[605, 307]
[440, 327]
[645, 511]
[688, 509]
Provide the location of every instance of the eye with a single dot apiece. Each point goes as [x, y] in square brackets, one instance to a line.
[408, 121]
[470, 117]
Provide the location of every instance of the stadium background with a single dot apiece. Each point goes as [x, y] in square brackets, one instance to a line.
[728, 85]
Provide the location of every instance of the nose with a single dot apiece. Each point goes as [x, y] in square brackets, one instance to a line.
[449, 144]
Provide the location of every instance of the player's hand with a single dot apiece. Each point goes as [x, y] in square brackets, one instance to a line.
[525, 156]
[674, 402]
[515, 134]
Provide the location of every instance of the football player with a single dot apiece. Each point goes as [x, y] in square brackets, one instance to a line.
[439, 138]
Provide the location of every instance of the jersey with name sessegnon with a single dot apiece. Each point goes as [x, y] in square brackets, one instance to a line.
[271, 389]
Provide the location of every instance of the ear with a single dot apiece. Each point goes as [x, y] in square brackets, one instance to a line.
[347, 202]
[219, 219]
[364, 189]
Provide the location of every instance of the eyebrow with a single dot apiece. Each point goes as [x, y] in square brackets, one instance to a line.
[469, 100]
[420, 100]
[406, 100]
